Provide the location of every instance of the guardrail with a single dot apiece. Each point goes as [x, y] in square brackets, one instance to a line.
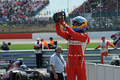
[29, 57]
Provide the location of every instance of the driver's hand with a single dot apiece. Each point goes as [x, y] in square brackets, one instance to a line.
[56, 17]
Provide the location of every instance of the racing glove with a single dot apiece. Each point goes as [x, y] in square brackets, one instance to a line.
[57, 16]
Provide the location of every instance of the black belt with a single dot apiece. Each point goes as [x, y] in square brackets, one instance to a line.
[57, 73]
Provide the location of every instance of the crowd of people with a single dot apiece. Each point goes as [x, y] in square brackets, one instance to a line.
[20, 10]
[93, 6]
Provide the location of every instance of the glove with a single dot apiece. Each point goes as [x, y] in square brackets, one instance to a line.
[59, 15]
[56, 17]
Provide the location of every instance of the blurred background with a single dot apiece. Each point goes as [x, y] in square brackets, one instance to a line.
[33, 16]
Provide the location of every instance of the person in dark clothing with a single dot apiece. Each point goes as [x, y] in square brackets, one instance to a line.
[4, 46]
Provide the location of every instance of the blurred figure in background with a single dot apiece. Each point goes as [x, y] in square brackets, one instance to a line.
[38, 48]
[51, 44]
[44, 44]
[5, 46]
[104, 48]
[38, 45]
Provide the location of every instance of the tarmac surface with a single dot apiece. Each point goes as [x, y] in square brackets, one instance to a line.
[32, 41]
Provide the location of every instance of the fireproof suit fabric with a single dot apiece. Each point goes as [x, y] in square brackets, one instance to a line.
[77, 46]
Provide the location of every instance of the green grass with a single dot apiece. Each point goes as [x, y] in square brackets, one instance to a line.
[21, 46]
[30, 46]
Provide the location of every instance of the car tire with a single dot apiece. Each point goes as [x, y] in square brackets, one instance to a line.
[11, 75]
[21, 76]
[46, 76]
[40, 77]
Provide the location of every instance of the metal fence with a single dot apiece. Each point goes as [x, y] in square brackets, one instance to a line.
[29, 57]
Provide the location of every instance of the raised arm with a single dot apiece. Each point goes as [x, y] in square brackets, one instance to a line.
[78, 36]
[60, 32]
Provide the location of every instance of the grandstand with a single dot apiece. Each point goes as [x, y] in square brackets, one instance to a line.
[102, 15]
[18, 16]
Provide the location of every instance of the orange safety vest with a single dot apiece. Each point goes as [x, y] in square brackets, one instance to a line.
[44, 44]
[52, 42]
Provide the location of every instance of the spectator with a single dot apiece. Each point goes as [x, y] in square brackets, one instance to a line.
[104, 48]
[5, 46]
[57, 63]
[38, 45]
[44, 44]
[51, 44]
[19, 9]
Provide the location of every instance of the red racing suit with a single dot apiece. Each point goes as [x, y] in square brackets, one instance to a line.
[77, 45]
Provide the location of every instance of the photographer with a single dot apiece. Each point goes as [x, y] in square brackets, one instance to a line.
[5, 46]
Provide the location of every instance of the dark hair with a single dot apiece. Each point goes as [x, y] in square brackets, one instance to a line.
[42, 39]
[103, 37]
[51, 38]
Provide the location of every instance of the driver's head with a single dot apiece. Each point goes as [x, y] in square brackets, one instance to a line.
[23, 67]
[79, 23]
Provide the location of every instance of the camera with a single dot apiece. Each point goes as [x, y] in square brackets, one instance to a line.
[9, 43]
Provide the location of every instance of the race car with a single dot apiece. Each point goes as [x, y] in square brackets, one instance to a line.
[17, 70]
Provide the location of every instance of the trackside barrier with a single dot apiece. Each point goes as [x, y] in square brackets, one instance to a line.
[29, 57]
[91, 71]
[95, 71]
[107, 72]
[102, 71]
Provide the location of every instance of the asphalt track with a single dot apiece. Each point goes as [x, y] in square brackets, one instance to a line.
[32, 41]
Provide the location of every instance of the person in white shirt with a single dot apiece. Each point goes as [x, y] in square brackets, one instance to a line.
[57, 63]
[38, 45]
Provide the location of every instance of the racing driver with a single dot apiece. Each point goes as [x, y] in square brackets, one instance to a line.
[77, 40]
